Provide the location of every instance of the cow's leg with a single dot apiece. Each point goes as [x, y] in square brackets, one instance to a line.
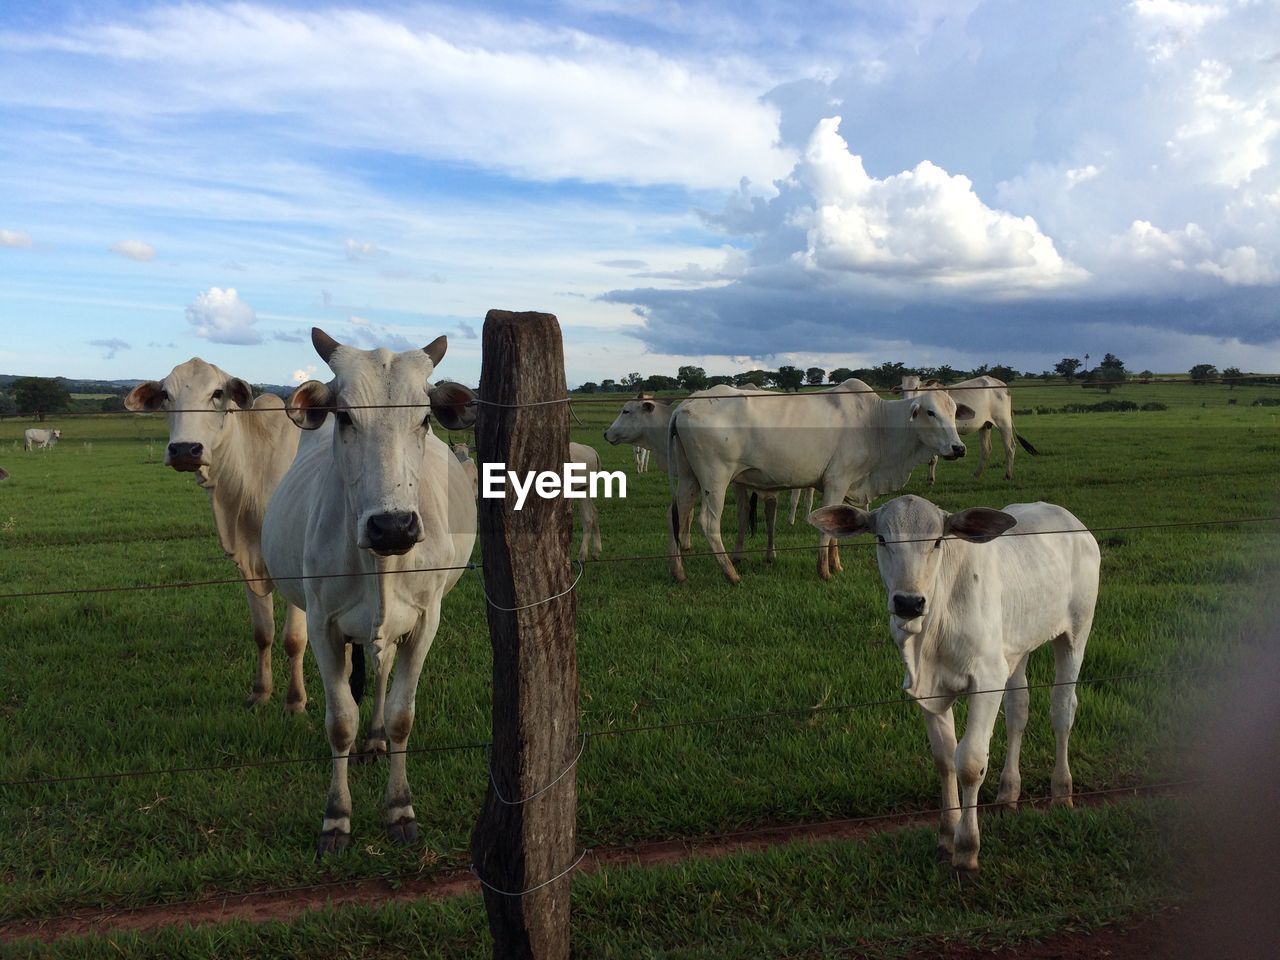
[971, 766]
[341, 716]
[375, 741]
[933, 470]
[984, 449]
[402, 823]
[770, 525]
[742, 500]
[595, 530]
[942, 743]
[1007, 434]
[679, 520]
[795, 504]
[262, 615]
[1068, 652]
[834, 559]
[295, 645]
[1017, 703]
[710, 518]
[584, 517]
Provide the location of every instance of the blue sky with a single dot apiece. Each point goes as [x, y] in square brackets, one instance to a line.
[830, 184]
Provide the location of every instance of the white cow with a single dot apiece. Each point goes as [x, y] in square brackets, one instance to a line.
[643, 421]
[642, 458]
[238, 457]
[44, 439]
[463, 453]
[966, 614]
[588, 513]
[383, 505]
[992, 406]
[846, 441]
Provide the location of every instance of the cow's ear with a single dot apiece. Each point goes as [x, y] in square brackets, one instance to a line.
[842, 520]
[896, 389]
[324, 344]
[453, 406]
[915, 409]
[240, 392]
[309, 404]
[964, 412]
[933, 383]
[436, 348]
[648, 406]
[977, 524]
[146, 396]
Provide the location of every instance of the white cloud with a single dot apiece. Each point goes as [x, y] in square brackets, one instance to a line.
[1190, 248]
[1166, 26]
[222, 317]
[923, 224]
[368, 335]
[110, 347]
[14, 238]
[134, 250]
[541, 103]
[303, 374]
[357, 250]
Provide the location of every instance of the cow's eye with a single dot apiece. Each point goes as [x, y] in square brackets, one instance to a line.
[343, 418]
[164, 395]
[937, 544]
[217, 395]
[931, 413]
[879, 540]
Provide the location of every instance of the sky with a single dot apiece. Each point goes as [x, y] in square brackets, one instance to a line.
[730, 186]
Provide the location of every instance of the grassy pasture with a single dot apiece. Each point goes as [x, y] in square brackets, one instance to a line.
[125, 681]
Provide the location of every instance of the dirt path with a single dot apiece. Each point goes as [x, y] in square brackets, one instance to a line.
[286, 904]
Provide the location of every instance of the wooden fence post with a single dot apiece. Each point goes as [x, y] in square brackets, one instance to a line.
[518, 846]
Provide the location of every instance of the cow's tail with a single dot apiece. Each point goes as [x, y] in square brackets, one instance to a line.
[751, 514]
[356, 681]
[1026, 445]
[672, 483]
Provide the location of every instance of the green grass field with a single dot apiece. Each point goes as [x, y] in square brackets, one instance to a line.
[97, 682]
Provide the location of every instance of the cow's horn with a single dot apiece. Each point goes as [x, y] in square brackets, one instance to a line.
[324, 344]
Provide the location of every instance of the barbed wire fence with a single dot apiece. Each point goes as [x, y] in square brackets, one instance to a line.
[586, 737]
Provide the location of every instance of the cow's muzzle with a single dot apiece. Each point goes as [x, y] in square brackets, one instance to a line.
[908, 606]
[186, 457]
[612, 442]
[957, 451]
[391, 534]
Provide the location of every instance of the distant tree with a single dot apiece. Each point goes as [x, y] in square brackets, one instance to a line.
[1067, 367]
[839, 375]
[8, 407]
[814, 376]
[608, 386]
[692, 378]
[981, 370]
[112, 404]
[1002, 372]
[632, 381]
[1232, 375]
[589, 387]
[945, 373]
[1203, 372]
[40, 395]
[753, 378]
[658, 381]
[720, 379]
[886, 375]
[789, 377]
[1146, 375]
[1110, 373]
[1047, 375]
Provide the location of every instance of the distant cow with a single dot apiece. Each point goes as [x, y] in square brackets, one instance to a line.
[846, 441]
[44, 439]
[238, 458]
[966, 614]
[387, 507]
[4, 474]
[642, 458]
[588, 512]
[643, 421]
[992, 406]
[463, 453]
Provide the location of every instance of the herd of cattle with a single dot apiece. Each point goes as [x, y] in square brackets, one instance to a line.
[363, 520]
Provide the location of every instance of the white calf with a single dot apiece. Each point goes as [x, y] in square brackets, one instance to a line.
[966, 614]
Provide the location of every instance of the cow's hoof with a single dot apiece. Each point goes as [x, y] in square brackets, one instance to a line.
[1064, 801]
[966, 876]
[331, 842]
[1002, 807]
[404, 831]
[944, 854]
[256, 699]
[295, 706]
